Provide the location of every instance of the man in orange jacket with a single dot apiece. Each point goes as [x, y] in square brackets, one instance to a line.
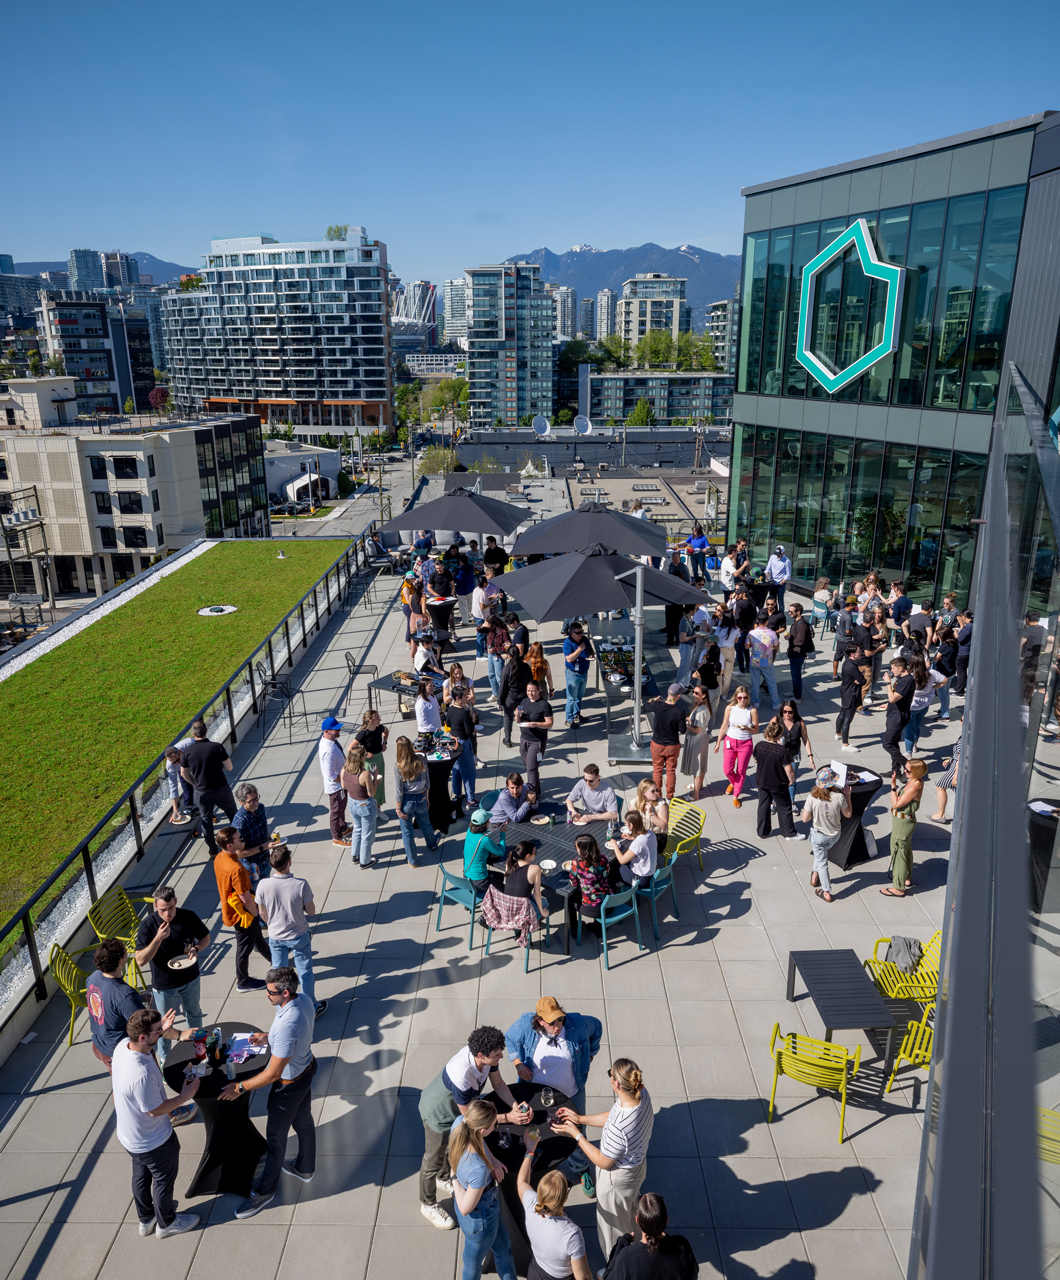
[238, 908]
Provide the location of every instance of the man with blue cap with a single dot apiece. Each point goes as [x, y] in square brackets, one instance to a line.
[332, 758]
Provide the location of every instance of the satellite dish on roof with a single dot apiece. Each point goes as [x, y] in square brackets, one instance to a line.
[582, 425]
[541, 425]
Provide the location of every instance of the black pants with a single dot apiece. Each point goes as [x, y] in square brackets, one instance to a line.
[743, 658]
[531, 751]
[509, 719]
[845, 719]
[673, 621]
[223, 798]
[960, 679]
[289, 1107]
[778, 796]
[153, 1180]
[892, 735]
[248, 940]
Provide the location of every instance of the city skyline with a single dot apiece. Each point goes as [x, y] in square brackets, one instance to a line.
[175, 205]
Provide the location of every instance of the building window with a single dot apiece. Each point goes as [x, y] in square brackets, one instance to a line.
[130, 503]
[155, 504]
[108, 537]
[103, 503]
[212, 522]
[150, 464]
[159, 536]
[125, 468]
[99, 468]
[122, 567]
[135, 536]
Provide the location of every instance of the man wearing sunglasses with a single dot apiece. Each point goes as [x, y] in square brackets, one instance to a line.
[290, 1073]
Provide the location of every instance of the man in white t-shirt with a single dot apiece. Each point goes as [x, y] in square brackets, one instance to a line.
[727, 572]
[332, 758]
[142, 1122]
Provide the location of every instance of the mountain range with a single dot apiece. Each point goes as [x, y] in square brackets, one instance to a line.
[711, 276]
[161, 271]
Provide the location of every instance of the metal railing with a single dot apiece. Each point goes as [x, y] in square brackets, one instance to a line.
[334, 590]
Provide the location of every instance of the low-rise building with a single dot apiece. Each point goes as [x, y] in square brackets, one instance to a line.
[672, 394]
[288, 462]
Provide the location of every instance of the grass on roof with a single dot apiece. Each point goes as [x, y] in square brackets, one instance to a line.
[81, 723]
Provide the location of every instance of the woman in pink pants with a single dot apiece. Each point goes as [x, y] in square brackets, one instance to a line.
[738, 726]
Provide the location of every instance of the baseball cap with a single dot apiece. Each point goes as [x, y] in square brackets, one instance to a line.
[674, 690]
[330, 723]
[779, 547]
[826, 777]
[480, 816]
[410, 574]
[548, 1009]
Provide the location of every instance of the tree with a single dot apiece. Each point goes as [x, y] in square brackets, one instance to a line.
[571, 356]
[486, 465]
[403, 435]
[656, 347]
[448, 394]
[402, 373]
[407, 399]
[499, 422]
[159, 399]
[55, 366]
[7, 369]
[642, 416]
[345, 485]
[337, 231]
[437, 461]
[611, 422]
[378, 440]
[614, 350]
[564, 418]
[129, 406]
[277, 430]
[328, 441]
[188, 283]
[695, 351]
[162, 377]
[527, 420]
[33, 360]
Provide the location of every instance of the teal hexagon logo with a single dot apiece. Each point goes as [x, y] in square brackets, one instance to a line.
[827, 374]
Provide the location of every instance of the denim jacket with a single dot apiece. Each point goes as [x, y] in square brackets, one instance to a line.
[583, 1035]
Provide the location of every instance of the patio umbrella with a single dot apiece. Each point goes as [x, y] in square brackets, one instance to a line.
[461, 509]
[594, 579]
[593, 522]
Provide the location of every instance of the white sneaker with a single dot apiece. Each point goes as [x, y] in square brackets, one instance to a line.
[444, 1184]
[797, 836]
[181, 1223]
[848, 747]
[148, 1228]
[838, 736]
[437, 1217]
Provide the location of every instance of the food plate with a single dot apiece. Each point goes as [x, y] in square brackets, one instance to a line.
[568, 864]
[548, 865]
[182, 962]
[539, 821]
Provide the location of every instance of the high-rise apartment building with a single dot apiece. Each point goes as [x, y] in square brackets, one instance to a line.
[296, 331]
[7, 265]
[454, 310]
[86, 270]
[723, 325]
[587, 319]
[144, 296]
[119, 269]
[566, 317]
[651, 301]
[19, 294]
[509, 343]
[104, 345]
[606, 310]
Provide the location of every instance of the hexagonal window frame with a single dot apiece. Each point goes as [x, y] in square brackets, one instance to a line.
[858, 235]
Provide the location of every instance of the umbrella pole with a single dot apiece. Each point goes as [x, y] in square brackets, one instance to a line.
[638, 651]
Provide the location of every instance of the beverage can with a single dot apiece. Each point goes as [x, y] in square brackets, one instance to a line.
[551, 820]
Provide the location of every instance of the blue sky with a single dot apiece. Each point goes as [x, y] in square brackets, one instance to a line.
[465, 132]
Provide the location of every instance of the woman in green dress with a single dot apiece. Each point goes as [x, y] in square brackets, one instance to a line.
[904, 805]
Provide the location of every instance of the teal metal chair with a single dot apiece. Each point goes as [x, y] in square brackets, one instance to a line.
[654, 888]
[616, 907]
[548, 937]
[488, 800]
[457, 889]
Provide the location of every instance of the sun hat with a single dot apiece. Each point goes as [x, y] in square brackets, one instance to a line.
[548, 1009]
[826, 777]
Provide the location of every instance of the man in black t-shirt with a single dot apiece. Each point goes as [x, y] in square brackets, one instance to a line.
[850, 694]
[519, 633]
[534, 715]
[745, 615]
[899, 701]
[671, 720]
[168, 932]
[204, 765]
[494, 555]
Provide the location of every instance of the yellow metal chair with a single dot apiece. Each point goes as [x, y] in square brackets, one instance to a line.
[685, 828]
[922, 984]
[916, 1048]
[114, 916]
[815, 1062]
[71, 979]
[1048, 1136]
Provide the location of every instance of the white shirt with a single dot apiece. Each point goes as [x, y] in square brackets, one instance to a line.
[727, 573]
[428, 715]
[703, 615]
[779, 568]
[727, 637]
[552, 1064]
[332, 759]
[627, 1133]
[138, 1087]
[645, 857]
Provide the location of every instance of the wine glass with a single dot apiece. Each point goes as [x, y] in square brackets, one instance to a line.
[547, 1098]
[504, 1138]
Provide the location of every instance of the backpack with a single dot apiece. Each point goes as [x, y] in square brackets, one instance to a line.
[713, 562]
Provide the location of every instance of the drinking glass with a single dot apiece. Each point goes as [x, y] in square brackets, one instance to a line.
[547, 1097]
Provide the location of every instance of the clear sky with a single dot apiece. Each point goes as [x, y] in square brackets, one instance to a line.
[465, 132]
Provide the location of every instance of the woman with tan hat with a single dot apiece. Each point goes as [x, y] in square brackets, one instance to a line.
[555, 1048]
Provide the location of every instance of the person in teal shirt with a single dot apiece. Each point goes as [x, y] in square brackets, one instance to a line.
[480, 851]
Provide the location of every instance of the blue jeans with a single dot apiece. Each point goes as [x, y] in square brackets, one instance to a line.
[795, 768]
[186, 998]
[769, 676]
[464, 772]
[820, 844]
[362, 816]
[301, 956]
[575, 693]
[779, 588]
[944, 701]
[495, 666]
[483, 1230]
[416, 809]
[480, 640]
[697, 561]
[912, 728]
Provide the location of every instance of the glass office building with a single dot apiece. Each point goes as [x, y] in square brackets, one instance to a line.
[887, 472]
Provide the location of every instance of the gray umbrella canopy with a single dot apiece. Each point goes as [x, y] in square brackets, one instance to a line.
[586, 581]
[461, 509]
[593, 523]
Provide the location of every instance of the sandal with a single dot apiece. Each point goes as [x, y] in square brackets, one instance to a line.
[815, 879]
[824, 894]
[736, 804]
[728, 789]
[890, 892]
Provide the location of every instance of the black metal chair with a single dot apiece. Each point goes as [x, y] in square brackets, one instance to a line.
[278, 690]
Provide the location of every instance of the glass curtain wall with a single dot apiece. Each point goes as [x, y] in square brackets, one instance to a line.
[960, 256]
[845, 506]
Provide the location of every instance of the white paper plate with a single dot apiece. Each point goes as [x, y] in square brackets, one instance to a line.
[548, 865]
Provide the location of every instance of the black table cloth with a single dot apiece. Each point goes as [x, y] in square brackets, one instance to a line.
[233, 1144]
[852, 847]
[440, 803]
[1041, 833]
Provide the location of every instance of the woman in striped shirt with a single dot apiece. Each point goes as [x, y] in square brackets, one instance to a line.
[623, 1152]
